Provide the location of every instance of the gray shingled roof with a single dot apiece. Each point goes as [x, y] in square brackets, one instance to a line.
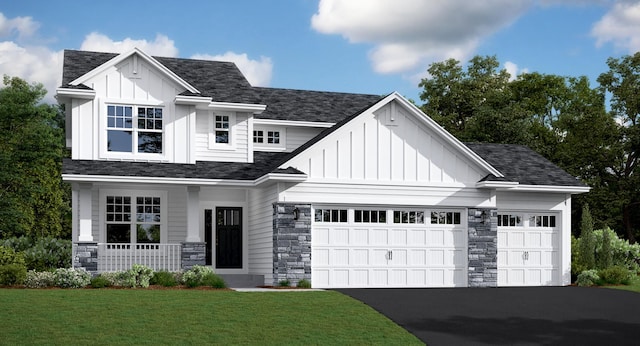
[264, 163]
[306, 105]
[520, 164]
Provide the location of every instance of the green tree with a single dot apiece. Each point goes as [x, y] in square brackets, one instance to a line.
[587, 240]
[622, 84]
[31, 149]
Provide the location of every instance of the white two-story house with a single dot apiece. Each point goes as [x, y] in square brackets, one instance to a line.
[176, 162]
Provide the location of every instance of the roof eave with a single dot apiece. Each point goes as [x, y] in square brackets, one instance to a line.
[516, 187]
[269, 177]
[86, 94]
[237, 107]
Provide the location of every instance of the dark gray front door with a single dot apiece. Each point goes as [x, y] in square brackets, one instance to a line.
[228, 237]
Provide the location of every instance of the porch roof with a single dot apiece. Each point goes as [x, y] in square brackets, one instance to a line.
[263, 165]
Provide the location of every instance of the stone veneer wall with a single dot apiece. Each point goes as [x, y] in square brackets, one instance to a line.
[483, 247]
[85, 255]
[193, 253]
[291, 243]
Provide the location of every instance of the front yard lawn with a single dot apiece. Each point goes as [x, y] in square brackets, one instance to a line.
[633, 286]
[190, 317]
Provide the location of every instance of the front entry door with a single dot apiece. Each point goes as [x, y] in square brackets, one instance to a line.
[228, 228]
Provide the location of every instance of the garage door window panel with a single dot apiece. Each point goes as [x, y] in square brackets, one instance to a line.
[408, 217]
[509, 220]
[542, 221]
[331, 215]
[370, 216]
[445, 218]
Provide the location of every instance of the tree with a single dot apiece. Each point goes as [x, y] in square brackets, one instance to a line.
[587, 240]
[622, 83]
[31, 149]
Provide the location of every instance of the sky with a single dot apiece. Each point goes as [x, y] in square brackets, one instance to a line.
[359, 46]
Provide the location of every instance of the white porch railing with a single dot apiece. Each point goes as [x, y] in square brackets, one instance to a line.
[119, 257]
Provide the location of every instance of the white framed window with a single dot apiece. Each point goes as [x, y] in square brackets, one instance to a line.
[441, 217]
[510, 220]
[134, 129]
[331, 215]
[269, 138]
[222, 129]
[369, 216]
[542, 221]
[134, 217]
[408, 216]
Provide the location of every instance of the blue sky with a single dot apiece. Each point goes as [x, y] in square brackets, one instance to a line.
[363, 46]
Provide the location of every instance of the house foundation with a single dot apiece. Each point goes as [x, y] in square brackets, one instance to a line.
[291, 243]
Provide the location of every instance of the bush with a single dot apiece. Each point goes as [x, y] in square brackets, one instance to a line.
[12, 274]
[213, 280]
[100, 282]
[616, 275]
[304, 283]
[164, 278]
[113, 278]
[10, 256]
[284, 283]
[37, 279]
[141, 275]
[72, 277]
[588, 278]
[200, 276]
[48, 253]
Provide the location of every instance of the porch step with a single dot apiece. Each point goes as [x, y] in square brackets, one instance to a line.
[242, 280]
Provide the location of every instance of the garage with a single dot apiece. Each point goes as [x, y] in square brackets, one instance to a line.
[388, 247]
[528, 249]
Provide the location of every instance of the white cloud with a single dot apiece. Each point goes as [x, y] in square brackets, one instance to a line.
[257, 72]
[22, 26]
[514, 70]
[161, 46]
[620, 26]
[413, 33]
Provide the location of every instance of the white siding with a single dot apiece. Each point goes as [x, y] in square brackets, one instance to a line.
[297, 136]
[375, 148]
[261, 230]
[177, 218]
[207, 151]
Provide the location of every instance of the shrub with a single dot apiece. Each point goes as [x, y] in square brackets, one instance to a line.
[36, 279]
[164, 278]
[10, 256]
[304, 283]
[12, 274]
[113, 278]
[588, 278]
[195, 276]
[100, 282]
[616, 275]
[587, 240]
[213, 280]
[140, 275]
[72, 277]
[284, 283]
[48, 253]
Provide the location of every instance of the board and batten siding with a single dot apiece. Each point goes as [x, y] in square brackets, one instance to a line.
[373, 148]
[261, 230]
[119, 84]
[206, 151]
[177, 215]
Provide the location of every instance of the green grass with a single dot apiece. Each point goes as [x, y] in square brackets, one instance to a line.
[190, 317]
[633, 286]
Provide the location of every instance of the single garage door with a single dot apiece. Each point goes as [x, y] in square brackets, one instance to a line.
[528, 249]
[388, 247]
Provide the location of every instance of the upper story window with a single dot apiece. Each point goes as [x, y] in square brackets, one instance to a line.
[222, 129]
[273, 137]
[146, 136]
[258, 136]
[269, 138]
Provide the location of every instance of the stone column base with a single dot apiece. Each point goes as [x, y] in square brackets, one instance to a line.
[85, 255]
[193, 253]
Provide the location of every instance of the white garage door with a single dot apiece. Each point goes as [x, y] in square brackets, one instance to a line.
[388, 247]
[528, 249]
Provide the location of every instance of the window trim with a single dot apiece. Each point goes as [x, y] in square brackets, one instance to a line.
[265, 145]
[212, 131]
[134, 154]
[102, 227]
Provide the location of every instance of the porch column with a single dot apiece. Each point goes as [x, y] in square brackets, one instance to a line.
[193, 214]
[84, 212]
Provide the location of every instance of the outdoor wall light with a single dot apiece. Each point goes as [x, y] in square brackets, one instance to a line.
[296, 213]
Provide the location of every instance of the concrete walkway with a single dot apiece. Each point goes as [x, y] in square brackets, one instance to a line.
[511, 316]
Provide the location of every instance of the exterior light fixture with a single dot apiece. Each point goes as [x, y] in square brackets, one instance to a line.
[296, 213]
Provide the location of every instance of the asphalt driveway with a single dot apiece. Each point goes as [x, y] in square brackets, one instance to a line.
[511, 316]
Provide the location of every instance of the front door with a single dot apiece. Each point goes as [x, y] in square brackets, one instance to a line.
[228, 237]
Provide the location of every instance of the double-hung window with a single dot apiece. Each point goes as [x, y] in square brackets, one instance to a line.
[222, 129]
[134, 129]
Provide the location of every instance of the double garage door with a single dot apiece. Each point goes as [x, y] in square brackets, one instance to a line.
[394, 247]
[364, 247]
